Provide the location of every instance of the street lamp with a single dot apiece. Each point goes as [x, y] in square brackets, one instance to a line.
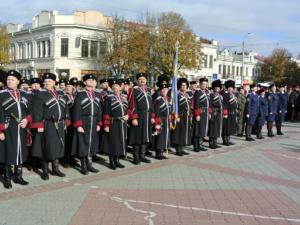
[243, 59]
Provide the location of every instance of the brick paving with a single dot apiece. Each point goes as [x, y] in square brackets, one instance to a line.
[248, 183]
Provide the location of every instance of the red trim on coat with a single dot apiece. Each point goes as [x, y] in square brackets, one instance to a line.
[68, 122]
[37, 125]
[198, 112]
[77, 124]
[2, 127]
[225, 112]
[29, 119]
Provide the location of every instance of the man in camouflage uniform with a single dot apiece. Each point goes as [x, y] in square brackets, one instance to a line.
[241, 99]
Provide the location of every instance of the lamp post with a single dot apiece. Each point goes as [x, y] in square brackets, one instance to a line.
[243, 57]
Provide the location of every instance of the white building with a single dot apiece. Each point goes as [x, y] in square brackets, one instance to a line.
[68, 45]
[223, 64]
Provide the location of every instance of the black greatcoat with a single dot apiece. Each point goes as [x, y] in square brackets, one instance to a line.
[87, 114]
[140, 108]
[50, 110]
[216, 120]
[114, 142]
[162, 109]
[17, 103]
[70, 129]
[201, 108]
[181, 136]
[230, 109]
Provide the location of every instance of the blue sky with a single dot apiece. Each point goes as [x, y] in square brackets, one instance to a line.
[272, 23]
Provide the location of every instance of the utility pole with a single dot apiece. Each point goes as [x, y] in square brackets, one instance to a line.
[243, 55]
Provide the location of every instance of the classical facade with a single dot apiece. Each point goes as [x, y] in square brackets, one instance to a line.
[223, 64]
[68, 45]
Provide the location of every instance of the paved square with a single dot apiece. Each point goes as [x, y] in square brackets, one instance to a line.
[248, 183]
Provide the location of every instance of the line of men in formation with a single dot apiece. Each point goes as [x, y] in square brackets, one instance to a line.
[52, 124]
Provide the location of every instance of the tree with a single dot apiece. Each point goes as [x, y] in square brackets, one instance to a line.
[171, 28]
[4, 46]
[275, 66]
[117, 40]
[292, 74]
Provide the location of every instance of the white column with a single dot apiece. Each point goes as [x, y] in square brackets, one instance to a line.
[46, 46]
[41, 49]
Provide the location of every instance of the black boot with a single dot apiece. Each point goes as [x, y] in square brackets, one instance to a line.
[112, 164]
[83, 166]
[55, 169]
[248, 133]
[7, 177]
[18, 176]
[117, 162]
[270, 131]
[201, 145]
[259, 134]
[90, 167]
[196, 144]
[278, 126]
[157, 154]
[142, 152]
[211, 143]
[215, 143]
[136, 157]
[45, 173]
[225, 141]
[179, 151]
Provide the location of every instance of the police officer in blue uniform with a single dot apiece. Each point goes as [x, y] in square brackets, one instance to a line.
[273, 99]
[262, 112]
[282, 108]
[251, 111]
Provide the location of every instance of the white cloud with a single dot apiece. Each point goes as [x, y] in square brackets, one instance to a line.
[224, 20]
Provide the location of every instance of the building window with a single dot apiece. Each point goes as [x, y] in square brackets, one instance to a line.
[49, 48]
[224, 69]
[85, 48]
[20, 51]
[241, 71]
[64, 49]
[40, 72]
[237, 70]
[38, 49]
[103, 47]
[220, 69]
[94, 48]
[44, 48]
[233, 70]
[253, 72]
[211, 61]
[247, 71]
[228, 72]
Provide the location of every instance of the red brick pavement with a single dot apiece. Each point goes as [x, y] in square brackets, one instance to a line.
[172, 207]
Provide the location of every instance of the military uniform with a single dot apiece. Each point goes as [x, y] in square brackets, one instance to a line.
[182, 134]
[141, 109]
[251, 109]
[282, 110]
[15, 106]
[50, 112]
[216, 120]
[114, 143]
[87, 113]
[229, 113]
[201, 108]
[241, 100]
[262, 114]
[273, 99]
[162, 110]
